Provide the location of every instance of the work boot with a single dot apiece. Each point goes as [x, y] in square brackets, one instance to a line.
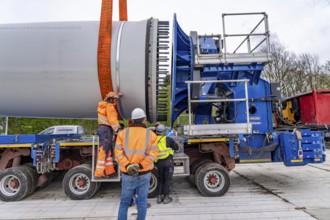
[167, 199]
[159, 199]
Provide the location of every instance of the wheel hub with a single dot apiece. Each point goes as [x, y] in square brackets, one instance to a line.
[81, 182]
[213, 180]
[14, 183]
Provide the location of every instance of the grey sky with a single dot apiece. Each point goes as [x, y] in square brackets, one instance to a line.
[301, 25]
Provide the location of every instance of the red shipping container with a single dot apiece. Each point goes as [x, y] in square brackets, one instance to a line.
[315, 107]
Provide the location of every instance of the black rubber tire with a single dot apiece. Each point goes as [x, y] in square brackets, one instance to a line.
[70, 183]
[29, 174]
[154, 180]
[218, 173]
[33, 175]
[97, 184]
[198, 163]
[197, 166]
[32, 181]
[21, 177]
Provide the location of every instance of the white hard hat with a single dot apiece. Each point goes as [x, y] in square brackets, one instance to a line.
[160, 129]
[138, 113]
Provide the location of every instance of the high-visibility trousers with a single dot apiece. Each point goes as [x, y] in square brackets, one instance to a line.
[104, 164]
[109, 169]
[104, 159]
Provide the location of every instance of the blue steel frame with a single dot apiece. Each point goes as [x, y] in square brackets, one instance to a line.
[183, 64]
[264, 144]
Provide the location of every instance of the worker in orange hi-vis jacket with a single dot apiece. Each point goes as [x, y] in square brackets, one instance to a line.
[108, 124]
[136, 150]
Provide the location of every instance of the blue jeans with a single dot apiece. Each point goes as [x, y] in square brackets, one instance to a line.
[139, 186]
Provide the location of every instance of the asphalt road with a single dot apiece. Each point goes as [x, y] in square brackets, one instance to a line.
[258, 191]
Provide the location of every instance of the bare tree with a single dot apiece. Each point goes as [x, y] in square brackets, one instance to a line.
[326, 67]
[309, 71]
[297, 74]
[324, 77]
[281, 67]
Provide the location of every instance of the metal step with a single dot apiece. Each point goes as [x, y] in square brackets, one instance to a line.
[116, 177]
[181, 164]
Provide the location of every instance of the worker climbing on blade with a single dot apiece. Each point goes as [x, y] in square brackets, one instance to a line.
[136, 149]
[165, 165]
[108, 124]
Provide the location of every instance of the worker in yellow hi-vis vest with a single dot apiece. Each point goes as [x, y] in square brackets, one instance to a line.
[164, 162]
[108, 124]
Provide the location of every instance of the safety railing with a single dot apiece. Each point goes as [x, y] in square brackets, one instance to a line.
[217, 129]
[250, 55]
[95, 149]
[247, 39]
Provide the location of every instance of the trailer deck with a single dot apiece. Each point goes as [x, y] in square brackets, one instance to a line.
[259, 191]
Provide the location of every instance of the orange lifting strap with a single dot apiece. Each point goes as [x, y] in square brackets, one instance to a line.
[122, 10]
[104, 44]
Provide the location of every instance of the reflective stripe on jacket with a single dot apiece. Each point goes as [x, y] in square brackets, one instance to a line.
[136, 145]
[107, 115]
[164, 151]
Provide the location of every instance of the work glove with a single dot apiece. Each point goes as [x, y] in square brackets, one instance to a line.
[133, 169]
